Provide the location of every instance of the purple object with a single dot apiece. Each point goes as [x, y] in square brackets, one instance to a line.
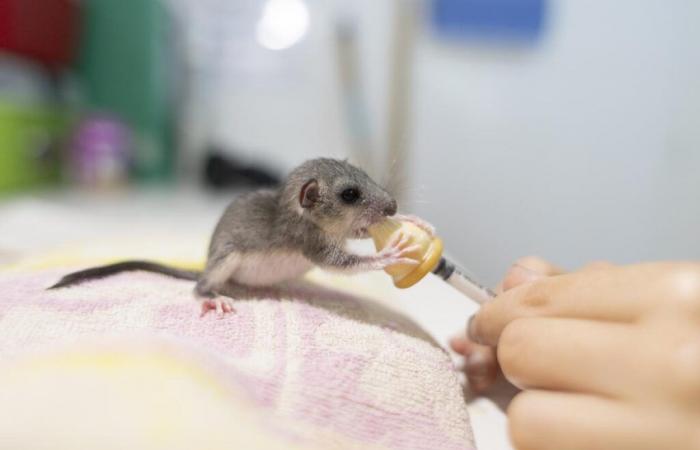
[101, 151]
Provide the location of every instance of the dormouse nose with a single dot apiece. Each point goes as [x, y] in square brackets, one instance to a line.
[391, 208]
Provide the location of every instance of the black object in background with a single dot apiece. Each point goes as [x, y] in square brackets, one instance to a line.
[224, 172]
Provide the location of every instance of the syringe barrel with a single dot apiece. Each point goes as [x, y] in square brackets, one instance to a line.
[465, 284]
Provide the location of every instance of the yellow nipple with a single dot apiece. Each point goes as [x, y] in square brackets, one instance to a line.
[428, 254]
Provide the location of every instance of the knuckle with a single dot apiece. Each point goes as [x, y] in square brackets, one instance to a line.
[476, 330]
[511, 345]
[531, 262]
[512, 279]
[685, 365]
[522, 271]
[538, 265]
[520, 430]
[683, 288]
[535, 296]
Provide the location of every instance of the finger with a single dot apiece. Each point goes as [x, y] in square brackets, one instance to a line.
[528, 269]
[462, 345]
[403, 240]
[408, 261]
[518, 275]
[600, 358]
[542, 420]
[597, 265]
[539, 265]
[583, 356]
[411, 249]
[622, 294]
[481, 367]
[395, 240]
[459, 344]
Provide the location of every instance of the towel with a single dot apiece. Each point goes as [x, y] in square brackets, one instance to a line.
[127, 362]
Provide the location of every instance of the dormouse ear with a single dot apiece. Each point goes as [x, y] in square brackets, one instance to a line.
[309, 195]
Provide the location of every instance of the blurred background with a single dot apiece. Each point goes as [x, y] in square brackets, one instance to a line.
[568, 129]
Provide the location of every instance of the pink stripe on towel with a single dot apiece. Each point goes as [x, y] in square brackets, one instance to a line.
[329, 364]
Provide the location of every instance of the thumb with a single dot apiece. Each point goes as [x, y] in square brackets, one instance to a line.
[528, 269]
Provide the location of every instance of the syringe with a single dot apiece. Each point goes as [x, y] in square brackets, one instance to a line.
[429, 259]
[465, 284]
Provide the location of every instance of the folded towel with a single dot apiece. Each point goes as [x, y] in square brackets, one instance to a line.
[127, 362]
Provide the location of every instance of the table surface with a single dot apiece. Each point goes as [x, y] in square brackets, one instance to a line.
[34, 224]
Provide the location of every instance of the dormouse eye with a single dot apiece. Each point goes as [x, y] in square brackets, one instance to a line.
[350, 195]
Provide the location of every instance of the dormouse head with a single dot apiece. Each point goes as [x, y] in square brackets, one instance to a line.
[339, 198]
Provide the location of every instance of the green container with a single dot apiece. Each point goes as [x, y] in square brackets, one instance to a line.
[29, 146]
[123, 65]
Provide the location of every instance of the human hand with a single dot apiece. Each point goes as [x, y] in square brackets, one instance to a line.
[609, 357]
[481, 366]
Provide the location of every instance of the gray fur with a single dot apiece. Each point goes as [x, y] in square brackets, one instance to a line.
[268, 221]
[275, 228]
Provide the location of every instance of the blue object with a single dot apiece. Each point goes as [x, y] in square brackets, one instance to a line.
[499, 20]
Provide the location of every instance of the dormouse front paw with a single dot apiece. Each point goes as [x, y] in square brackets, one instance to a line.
[417, 221]
[397, 251]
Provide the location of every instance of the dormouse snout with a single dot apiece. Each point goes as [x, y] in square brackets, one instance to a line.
[390, 209]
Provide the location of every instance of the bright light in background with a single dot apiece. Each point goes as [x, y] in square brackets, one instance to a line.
[283, 24]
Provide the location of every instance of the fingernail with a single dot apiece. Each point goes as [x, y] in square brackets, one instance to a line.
[476, 364]
[517, 275]
[478, 372]
[527, 272]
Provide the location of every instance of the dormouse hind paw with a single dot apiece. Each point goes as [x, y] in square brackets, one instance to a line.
[222, 305]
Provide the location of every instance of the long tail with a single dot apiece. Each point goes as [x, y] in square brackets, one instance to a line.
[95, 273]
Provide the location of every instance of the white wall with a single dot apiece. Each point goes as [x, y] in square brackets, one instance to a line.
[284, 106]
[584, 147]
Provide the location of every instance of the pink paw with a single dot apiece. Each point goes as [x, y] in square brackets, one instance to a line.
[417, 221]
[397, 252]
[222, 305]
